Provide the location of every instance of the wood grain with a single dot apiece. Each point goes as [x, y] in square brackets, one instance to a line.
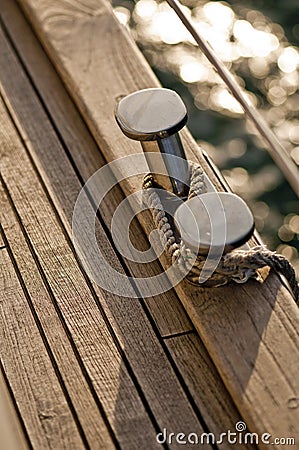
[41, 402]
[80, 146]
[11, 432]
[211, 398]
[166, 309]
[83, 320]
[78, 389]
[81, 313]
[239, 325]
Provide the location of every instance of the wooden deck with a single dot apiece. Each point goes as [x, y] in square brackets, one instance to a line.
[82, 368]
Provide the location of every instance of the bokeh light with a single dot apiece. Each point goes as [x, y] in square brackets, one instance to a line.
[265, 63]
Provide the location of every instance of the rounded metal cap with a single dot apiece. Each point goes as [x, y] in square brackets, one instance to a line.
[219, 220]
[150, 114]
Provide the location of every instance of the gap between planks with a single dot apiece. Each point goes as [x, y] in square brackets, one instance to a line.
[240, 332]
[68, 366]
[42, 404]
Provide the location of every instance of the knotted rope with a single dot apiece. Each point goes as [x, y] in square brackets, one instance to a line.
[237, 266]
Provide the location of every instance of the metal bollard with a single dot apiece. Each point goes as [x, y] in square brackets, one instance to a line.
[154, 117]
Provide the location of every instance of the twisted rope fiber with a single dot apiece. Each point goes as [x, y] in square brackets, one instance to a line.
[237, 266]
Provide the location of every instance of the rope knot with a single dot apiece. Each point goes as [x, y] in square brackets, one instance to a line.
[237, 266]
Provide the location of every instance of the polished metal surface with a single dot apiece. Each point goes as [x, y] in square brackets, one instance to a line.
[150, 114]
[154, 117]
[178, 172]
[223, 221]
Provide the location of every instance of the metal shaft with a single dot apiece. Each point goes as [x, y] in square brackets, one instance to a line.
[154, 117]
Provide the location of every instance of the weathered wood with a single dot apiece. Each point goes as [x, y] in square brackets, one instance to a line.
[34, 384]
[77, 387]
[165, 309]
[11, 432]
[82, 318]
[72, 129]
[211, 398]
[239, 325]
[79, 309]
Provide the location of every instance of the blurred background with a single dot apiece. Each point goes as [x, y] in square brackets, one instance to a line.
[258, 41]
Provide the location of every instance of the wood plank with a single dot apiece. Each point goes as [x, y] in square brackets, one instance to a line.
[211, 398]
[53, 94]
[166, 309]
[82, 311]
[79, 392]
[33, 381]
[11, 431]
[83, 321]
[244, 350]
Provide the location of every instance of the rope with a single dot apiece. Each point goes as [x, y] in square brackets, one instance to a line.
[237, 266]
